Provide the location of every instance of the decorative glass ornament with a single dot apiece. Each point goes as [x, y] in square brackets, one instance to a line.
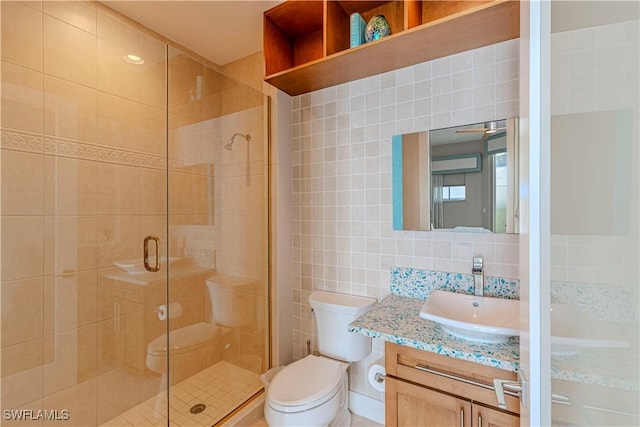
[377, 28]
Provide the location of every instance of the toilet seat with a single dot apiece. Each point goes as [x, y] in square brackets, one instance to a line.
[183, 339]
[305, 384]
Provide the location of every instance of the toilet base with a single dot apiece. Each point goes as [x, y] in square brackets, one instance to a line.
[343, 419]
[315, 417]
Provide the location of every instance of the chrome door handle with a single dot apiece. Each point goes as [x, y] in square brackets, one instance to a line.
[500, 385]
[560, 399]
[452, 377]
[146, 253]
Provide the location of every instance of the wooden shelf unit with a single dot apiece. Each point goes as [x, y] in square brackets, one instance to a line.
[306, 43]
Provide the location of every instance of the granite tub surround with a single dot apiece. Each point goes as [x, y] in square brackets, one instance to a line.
[396, 319]
[417, 283]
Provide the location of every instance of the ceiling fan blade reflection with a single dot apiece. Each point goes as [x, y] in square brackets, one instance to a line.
[498, 131]
[471, 130]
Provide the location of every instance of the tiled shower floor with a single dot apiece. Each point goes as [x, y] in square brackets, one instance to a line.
[220, 387]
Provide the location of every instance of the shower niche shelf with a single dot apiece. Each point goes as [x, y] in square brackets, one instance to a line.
[306, 43]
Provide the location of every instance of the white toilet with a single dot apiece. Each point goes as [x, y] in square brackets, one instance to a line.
[313, 391]
[199, 345]
[186, 344]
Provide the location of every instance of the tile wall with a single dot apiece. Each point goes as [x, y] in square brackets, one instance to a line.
[595, 73]
[341, 169]
[249, 70]
[596, 69]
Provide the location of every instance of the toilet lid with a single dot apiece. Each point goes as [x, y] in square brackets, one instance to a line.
[183, 339]
[305, 383]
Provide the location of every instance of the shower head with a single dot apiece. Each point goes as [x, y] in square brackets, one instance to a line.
[229, 145]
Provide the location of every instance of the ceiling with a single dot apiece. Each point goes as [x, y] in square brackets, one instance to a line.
[450, 136]
[220, 30]
[225, 30]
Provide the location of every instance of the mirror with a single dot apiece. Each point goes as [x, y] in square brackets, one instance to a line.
[461, 178]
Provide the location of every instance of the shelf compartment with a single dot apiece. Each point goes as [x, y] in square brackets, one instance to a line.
[293, 35]
[433, 10]
[485, 24]
[338, 19]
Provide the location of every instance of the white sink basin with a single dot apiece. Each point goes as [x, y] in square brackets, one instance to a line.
[136, 265]
[573, 331]
[483, 319]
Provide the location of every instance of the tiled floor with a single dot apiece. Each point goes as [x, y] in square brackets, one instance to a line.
[356, 421]
[220, 387]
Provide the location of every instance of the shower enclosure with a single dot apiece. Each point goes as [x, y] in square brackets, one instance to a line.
[134, 246]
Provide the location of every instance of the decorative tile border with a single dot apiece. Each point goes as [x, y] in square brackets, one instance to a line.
[21, 141]
[416, 283]
[34, 143]
[70, 148]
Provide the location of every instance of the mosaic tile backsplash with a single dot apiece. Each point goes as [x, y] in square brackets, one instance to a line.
[602, 302]
[614, 303]
[417, 283]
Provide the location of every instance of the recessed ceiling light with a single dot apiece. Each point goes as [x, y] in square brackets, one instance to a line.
[133, 59]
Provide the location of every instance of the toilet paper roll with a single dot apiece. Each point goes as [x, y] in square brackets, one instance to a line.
[175, 310]
[376, 375]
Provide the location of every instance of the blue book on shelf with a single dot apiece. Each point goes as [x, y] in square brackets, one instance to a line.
[357, 26]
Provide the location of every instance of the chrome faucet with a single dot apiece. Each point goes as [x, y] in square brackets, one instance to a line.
[478, 277]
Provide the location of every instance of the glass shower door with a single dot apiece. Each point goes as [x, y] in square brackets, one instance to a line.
[219, 333]
[84, 171]
[114, 145]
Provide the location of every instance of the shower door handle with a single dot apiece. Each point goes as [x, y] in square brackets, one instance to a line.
[146, 253]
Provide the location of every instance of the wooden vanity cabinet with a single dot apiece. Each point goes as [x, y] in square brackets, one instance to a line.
[409, 404]
[483, 416]
[428, 389]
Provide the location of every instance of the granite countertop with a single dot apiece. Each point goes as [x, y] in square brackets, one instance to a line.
[396, 319]
[148, 278]
[604, 367]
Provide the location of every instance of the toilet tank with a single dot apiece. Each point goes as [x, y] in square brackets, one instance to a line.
[233, 300]
[334, 312]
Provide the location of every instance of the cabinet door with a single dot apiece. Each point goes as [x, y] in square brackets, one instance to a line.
[411, 405]
[489, 417]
